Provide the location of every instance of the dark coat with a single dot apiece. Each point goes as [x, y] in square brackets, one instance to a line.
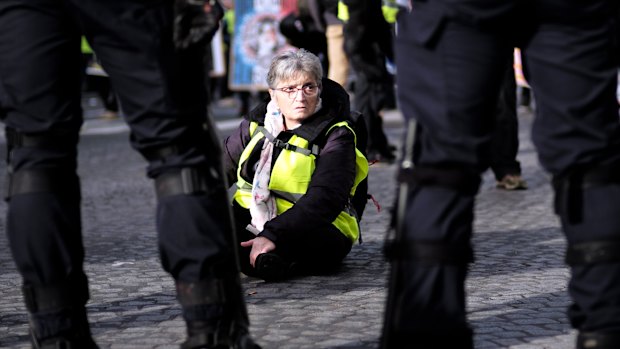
[334, 175]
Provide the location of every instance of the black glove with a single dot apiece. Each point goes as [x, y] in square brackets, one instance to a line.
[195, 22]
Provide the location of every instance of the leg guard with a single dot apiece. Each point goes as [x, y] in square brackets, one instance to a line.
[48, 250]
[42, 178]
[215, 314]
[194, 224]
[58, 315]
[570, 187]
[595, 288]
[198, 248]
[418, 268]
[584, 201]
[430, 253]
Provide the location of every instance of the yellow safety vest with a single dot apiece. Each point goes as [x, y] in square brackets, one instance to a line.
[291, 174]
[389, 8]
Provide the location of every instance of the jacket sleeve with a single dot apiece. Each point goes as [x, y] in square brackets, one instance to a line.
[233, 147]
[327, 194]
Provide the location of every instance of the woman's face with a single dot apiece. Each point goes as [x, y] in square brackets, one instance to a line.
[296, 98]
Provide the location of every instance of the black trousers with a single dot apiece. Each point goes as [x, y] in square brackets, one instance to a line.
[505, 142]
[162, 94]
[450, 57]
[371, 96]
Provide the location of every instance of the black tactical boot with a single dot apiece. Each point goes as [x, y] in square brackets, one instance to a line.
[58, 316]
[73, 330]
[215, 314]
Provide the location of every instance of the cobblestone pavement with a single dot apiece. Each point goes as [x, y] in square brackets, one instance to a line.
[516, 289]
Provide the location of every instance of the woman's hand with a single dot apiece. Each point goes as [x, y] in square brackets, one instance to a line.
[259, 245]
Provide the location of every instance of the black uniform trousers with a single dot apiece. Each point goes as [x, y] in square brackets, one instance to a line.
[450, 57]
[505, 143]
[163, 100]
[371, 96]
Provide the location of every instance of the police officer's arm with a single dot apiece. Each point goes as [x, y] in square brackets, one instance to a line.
[327, 193]
[233, 147]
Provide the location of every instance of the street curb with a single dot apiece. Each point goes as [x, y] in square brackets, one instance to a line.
[99, 126]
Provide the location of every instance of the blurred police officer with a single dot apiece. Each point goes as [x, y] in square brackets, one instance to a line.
[160, 84]
[368, 43]
[450, 57]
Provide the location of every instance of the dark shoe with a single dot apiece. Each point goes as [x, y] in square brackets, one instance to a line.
[271, 267]
[512, 182]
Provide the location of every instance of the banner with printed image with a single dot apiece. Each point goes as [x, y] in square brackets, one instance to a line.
[256, 40]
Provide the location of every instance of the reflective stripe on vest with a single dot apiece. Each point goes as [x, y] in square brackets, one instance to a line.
[291, 174]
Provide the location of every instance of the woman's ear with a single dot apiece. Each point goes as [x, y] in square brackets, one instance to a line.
[272, 94]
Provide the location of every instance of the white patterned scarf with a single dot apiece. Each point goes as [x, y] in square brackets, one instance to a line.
[263, 205]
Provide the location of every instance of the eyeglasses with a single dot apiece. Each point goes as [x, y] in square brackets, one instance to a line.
[309, 90]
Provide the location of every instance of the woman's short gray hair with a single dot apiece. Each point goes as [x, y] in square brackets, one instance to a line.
[290, 64]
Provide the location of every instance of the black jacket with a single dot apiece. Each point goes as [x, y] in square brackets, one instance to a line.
[334, 175]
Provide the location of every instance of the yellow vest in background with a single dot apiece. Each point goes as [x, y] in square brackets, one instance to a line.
[390, 10]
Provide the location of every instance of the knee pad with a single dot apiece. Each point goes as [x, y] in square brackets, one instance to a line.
[189, 180]
[460, 178]
[55, 169]
[184, 170]
[569, 188]
[62, 182]
[429, 253]
[57, 146]
[593, 252]
[199, 147]
[464, 180]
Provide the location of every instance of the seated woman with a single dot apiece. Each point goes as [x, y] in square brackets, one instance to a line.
[296, 167]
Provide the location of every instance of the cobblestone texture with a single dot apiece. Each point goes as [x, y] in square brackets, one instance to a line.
[516, 289]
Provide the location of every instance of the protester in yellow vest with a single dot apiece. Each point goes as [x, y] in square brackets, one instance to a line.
[296, 166]
[368, 43]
